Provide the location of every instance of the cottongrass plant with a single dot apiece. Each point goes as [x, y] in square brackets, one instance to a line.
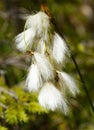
[48, 50]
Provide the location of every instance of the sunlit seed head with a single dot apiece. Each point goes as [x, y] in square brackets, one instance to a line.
[34, 80]
[68, 83]
[44, 65]
[51, 98]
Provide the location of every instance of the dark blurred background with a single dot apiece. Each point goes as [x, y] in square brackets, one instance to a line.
[75, 19]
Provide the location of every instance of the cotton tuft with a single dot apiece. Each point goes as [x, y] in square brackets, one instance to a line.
[68, 83]
[48, 51]
[25, 40]
[34, 80]
[51, 98]
[59, 49]
[40, 22]
[45, 67]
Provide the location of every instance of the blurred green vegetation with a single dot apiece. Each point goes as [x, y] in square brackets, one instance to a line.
[19, 109]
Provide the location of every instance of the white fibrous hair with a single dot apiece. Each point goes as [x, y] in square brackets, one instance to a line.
[59, 49]
[48, 50]
[41, 23]
[34, 80]
[45, 67]
[25, 40]
[51, 98]
[37, 28]
[68, 83]
[41, 47]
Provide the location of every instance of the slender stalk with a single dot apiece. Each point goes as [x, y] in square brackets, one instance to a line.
[46, 10]
[77, 68]
[83, 82]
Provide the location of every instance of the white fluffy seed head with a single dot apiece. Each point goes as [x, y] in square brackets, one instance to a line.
[51, 98]
[45, 67]
[25, 40]
[38, 19]
[40, 22]
[34, 80]
[38, 28]
[59, 49]
[67, 83]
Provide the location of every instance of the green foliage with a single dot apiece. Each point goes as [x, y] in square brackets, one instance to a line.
[16, 115]
[34, 107]
[18, 105]
[11, 116]
[19, 108]
[3, 128]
